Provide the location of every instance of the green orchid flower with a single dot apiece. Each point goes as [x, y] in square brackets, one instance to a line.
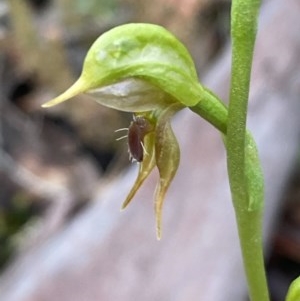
[142, 68]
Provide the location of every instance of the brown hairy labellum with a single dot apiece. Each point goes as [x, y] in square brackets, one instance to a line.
[138, 128]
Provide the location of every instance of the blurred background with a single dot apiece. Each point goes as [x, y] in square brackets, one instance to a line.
[54, 162]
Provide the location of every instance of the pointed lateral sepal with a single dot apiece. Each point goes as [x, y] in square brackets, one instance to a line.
[145, 168]
[167, 161]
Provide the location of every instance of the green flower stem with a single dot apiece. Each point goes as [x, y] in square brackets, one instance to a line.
[248, 212]
[249, 227]
[246, 181]
[212, 109]
[243, 33]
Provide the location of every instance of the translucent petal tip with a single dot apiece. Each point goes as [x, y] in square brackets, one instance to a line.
[77, 88]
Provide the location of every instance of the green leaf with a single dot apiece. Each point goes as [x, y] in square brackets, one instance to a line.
[254, 175]
[294, 291]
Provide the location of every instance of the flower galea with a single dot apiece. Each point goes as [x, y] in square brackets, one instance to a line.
[142, 68]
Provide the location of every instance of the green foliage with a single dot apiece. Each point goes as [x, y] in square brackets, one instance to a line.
[294, 291]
